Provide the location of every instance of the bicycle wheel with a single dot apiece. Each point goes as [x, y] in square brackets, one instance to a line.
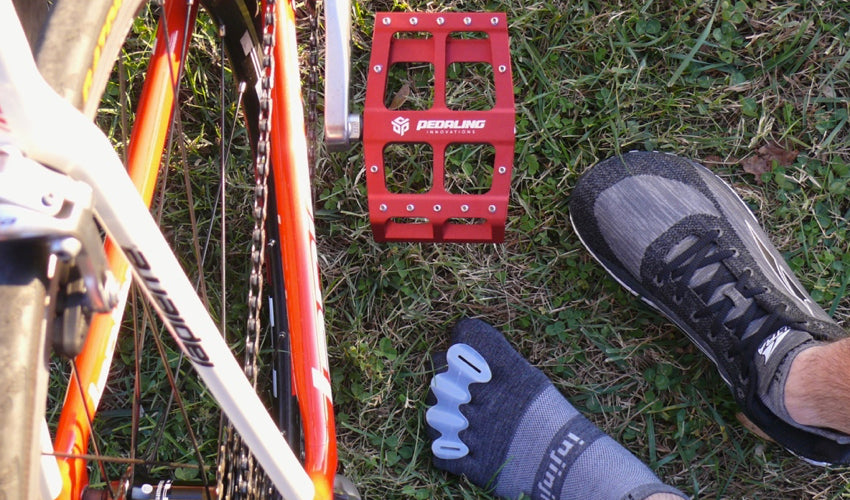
[23, 349]
[76, 51]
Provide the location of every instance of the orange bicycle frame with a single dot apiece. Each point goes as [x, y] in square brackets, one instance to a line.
[292, 184]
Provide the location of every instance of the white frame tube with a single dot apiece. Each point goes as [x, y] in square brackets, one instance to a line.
[51, 131]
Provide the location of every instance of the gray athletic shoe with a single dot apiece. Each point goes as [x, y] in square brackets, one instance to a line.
[676, 235]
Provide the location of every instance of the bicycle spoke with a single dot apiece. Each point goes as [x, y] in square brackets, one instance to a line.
[135, 403]
[94, 444]
[176, 133]
[125, 120]
[221, 199]
[200, 284]
[125, 461]
[180, 404]
[222, 191]
[138, 343]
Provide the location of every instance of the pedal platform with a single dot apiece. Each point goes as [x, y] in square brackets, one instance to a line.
[439, 146]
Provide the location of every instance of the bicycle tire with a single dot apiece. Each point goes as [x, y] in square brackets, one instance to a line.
[79, 63]
[23, 348]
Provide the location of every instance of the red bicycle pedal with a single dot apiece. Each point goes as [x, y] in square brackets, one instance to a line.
[441, 210]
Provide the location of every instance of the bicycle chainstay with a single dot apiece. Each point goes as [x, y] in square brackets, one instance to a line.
[238, 475]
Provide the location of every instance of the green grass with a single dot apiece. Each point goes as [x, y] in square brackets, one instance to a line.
[714, 81]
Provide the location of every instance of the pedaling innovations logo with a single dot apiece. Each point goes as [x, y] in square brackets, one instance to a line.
[401, 125]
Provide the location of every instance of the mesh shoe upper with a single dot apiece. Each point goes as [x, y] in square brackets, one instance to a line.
[672, 232]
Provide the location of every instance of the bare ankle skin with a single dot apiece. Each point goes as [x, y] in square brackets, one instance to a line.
[663, 496]
[817, 391]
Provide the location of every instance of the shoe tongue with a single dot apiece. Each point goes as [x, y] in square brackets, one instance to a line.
[677, 250]
[718, 273]
[775, 346]
[772, 363]
[702, 274]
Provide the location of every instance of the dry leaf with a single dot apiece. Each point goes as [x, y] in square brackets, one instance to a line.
[400, 97]
[768, 155]
[750, 426]
[774, 152]
[755, 165]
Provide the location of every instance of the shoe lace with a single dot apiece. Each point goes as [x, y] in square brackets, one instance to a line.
[735, 309]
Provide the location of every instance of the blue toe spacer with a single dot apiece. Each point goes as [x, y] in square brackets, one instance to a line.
[451, 388]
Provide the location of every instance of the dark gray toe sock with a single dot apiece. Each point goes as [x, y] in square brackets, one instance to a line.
[523, 437]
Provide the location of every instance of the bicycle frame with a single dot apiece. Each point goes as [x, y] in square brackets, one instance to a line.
[38, 122]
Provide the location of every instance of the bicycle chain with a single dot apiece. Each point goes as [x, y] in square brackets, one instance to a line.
[250, 481]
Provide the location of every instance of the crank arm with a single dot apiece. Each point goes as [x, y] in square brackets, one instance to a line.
[341, 128]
